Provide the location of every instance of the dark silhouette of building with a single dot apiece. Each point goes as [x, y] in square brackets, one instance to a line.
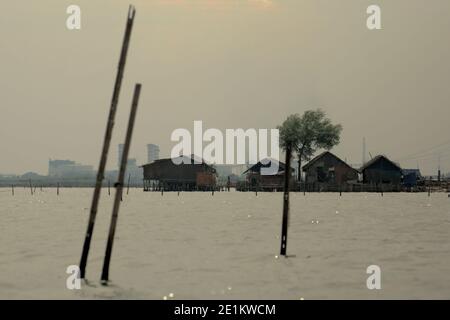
[327, 170]
[167, 174]
[411, 177]
[381, 170]
[257, 180]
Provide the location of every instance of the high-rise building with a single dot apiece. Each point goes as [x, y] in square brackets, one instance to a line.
[69, 169]
[152, 153]
[55, 167]
[133, 170]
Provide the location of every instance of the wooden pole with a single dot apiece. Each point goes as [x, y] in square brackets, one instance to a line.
[128, 187]
[12, 189]
[109, 187]
[31, 188]
[119, 185]
[107, 141]
[284, 227]
[57, 189]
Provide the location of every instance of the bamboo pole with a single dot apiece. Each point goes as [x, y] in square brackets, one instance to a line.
[128, 187]
[284, 227]
[119, 185]
[107, 141]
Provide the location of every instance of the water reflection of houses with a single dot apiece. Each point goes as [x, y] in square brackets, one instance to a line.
[327, 172]
[179, 174]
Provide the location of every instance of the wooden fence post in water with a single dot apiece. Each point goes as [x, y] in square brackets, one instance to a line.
[57, 189]
[107, 141]
[284, 227]
[12, 189]
[31, 187]
[119, 185]
[128, 187]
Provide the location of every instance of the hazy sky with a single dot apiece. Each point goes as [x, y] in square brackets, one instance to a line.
[230, 63]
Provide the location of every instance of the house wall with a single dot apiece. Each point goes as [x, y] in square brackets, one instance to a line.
[382, 171]
[410, 179]
[339, 173]
[167, 171]
[267, 182]
[205, 179]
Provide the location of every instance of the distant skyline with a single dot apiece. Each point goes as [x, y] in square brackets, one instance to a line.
[232, 64]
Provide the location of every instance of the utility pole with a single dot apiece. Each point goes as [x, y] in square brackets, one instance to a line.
[285, 222]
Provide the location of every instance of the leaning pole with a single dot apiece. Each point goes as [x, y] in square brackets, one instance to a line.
[119, 185]
[107, 141]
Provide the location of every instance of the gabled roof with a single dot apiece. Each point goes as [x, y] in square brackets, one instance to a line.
[320, 156]
[377, 158]
[192, 159]
[268, 161]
